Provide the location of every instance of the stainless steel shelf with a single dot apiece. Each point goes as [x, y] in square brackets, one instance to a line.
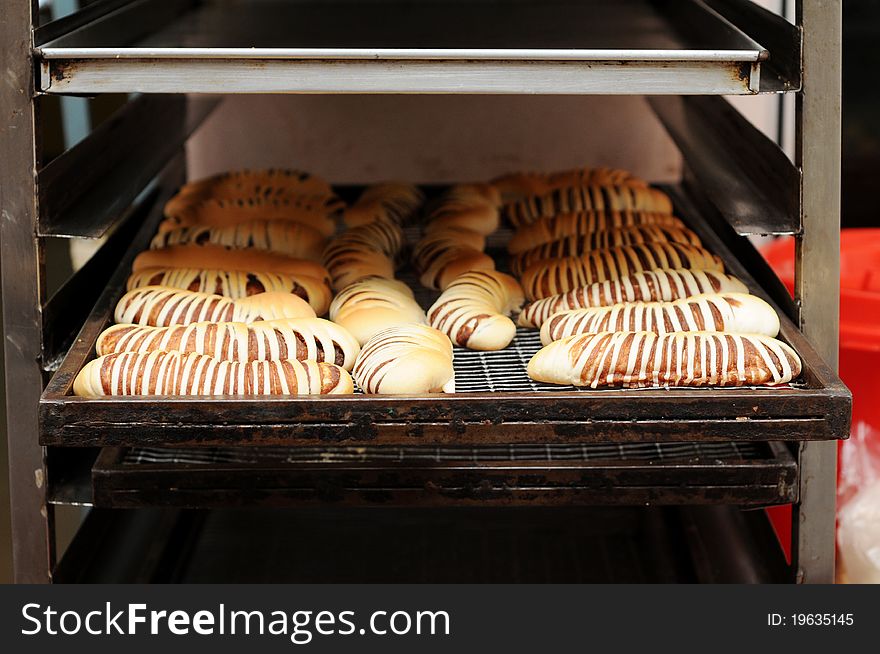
[491, 46]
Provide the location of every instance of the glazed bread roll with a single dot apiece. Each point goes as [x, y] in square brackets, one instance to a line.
[270, 183]
[405, 360]
[370, 305]
[235, 284]
[159, 306]
[370, 250]
[587, 198]
[467, 206]
[435, 242]
[473, 310]
[647, 286]
[315, 212]
[573, 246]
[270, 340]
[293, 239]
[555, 276]
[638, 359]
[178, 373]
[737, 313]
[553, 228]
[451, 263]
[515, 186]
[219, 257]
[393, 201]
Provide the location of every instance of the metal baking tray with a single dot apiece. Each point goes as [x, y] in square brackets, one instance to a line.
[498, 403]
[491, 46]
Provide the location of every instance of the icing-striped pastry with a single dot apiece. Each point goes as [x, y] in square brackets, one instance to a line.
[574, 246]
[270, 340]
[554, 276]
[292, 239]
[637, 359]
[404, 360]
[646, 286]
[473, 310]
[586, 198]
[178, 373]
[370, 250]
[160, 306]
[394, 201]
[515, 186]
[737, 313]
[372, 304]
[467, 206]
[441, 256]
[235, 284]
[559, 226]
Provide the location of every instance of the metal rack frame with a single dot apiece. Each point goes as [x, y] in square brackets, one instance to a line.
[41, 202]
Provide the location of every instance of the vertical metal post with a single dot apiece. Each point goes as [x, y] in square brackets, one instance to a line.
[21, 262]
[818, 268]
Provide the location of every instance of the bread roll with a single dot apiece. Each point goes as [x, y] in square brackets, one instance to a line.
[315, 212]
[271, 340]
[268, 184]
[574, 246]
[235, 284]
[515, 186]
[638, 359]
[177, 373]
[473, 310]
[433, 243]
[370, 305]
[406, 360]
[559, 226]
[370, 250]
[467, 206]
[219, 257]
[292, 239]
[737, 313]
[554, 276]
[393, 201]
[159, 306]
[586, 198]
[647, 286]
[452, 263]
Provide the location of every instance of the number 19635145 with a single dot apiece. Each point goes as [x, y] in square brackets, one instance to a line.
[810, 620]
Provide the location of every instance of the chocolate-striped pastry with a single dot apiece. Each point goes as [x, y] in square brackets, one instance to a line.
[473, 310]
[394, 201]
[293, 239]
[271, 340]
[235, 284]
[404, 360]
[372, 304]
[515, 186]
[638, 359]
[160, 306]
[370, 250]
[554, 276]
[559, 226]
[574, 246]
[178, 373]
[737, 313]
[646, 286]
[586, 198]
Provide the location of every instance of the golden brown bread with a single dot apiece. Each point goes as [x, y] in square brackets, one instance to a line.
[372, 304]
[473, 310]
[271, 340]
[394, 201]
[637, 359]
[515, 186]
[370, 250]
[555, 276]
[160, 306]
[573, 246]
[235, 284]
[293, 239]
[737, 313]
[222, 258]
[646, 286]
[177, 373]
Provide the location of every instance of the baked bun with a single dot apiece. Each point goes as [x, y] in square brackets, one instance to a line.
[178, 373]
[473, 310]
[638, 359]
[516, 186]
[453, 263]
[406, 360]
[370, 250]
[393, 201]
[159, 306]
[646, 286]
[737, 313]
[370, 305]
[235, 284]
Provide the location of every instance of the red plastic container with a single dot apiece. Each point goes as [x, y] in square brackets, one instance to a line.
[859, 336]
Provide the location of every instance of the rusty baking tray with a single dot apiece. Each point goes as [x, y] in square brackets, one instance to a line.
[498, 403]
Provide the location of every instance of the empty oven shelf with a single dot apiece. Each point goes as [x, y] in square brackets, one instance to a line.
[220, 46]
[746, 474]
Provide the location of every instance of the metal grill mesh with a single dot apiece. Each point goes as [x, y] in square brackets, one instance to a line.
[725, 451]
